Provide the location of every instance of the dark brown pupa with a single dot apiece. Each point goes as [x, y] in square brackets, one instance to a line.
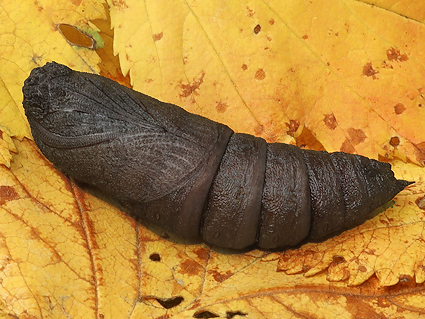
[192, 176]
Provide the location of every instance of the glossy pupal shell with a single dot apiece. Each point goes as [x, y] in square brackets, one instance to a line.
[192, 176]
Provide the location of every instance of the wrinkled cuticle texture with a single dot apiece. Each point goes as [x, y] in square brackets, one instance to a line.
[195, 177]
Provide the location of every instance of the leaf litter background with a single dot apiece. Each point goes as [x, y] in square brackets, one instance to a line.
[334, 75]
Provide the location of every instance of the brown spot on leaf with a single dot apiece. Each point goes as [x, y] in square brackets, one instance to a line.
[347, 26]
[191, 267]
[394, 54]
[394, 141]
[362, 269]
[357, 136]
[244, 67]
[157, 36]
[220, 277]
[202, 253]
[190, 88]
[292, 127]
[330, 121]
[421, 202]
[369, 71]
[260, 74]
[258, 130]
[305, 37]
[338, 259]
[250, 12]
[7, 193]
[386, 65]
[307, 138]
[399, 108]
[347, 147]
[271, 21]
[120, 4]
[257, 29]
[221, 106]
